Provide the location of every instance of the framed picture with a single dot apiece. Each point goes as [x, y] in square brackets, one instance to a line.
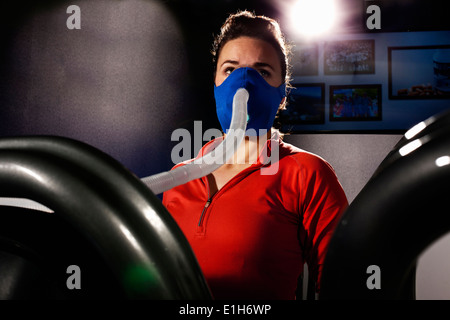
[349, 57]
[355, 102]
[306, 105]
[305, 60]
[419, 72]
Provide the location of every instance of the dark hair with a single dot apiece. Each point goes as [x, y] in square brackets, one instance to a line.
[247, 24]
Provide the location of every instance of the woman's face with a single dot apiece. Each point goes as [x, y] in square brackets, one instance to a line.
[249, 52]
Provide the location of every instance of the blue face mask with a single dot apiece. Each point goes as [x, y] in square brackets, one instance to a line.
[263, 102]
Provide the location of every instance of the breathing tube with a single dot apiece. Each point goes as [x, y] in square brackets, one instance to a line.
[203, 166]
[164, 181]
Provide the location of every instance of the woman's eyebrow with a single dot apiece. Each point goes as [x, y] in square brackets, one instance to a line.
[233, 62]
[256, 64]
[263, 64]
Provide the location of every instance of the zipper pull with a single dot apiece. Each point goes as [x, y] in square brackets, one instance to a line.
[203, 212]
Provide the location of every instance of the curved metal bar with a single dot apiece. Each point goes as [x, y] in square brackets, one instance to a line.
[401, 210]
[111, 207]
[437, 124]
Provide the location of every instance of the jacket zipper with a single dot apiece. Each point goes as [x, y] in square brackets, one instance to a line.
[208, 202]
[210, 198]
[200, 221]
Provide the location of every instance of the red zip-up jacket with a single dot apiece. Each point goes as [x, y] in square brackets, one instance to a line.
[252, 237]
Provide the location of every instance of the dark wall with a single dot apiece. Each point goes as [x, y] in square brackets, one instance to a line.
[119, 83]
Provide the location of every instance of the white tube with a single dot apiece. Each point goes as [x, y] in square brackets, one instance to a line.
[164, 181]
[203, 166]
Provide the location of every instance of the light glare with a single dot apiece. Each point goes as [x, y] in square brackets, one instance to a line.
[443, 161]
[314, 17]
[410, 147]
[415, 130]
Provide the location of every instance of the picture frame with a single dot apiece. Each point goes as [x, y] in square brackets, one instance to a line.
[305, 59]
[306, 105]
[355, 102]
[419, 72]
[349, 57]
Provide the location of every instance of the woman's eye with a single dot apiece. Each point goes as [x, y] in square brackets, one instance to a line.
[264, 73]
[228, 70]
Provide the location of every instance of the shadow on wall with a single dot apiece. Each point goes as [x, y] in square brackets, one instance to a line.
[114, 83]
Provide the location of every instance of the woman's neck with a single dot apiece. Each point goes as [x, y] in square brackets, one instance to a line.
[250, 149]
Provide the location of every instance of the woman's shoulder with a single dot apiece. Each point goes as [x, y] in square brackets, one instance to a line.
[303, 158]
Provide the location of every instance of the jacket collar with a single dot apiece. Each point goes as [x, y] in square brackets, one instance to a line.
[265, 156]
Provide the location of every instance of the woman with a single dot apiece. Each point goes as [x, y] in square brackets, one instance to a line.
[252, 230]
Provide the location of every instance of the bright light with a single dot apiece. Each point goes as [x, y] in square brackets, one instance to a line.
[415, 130]
[443, 161]
[130, 237]
[410, 147]
[314, 17]
[31, 173]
